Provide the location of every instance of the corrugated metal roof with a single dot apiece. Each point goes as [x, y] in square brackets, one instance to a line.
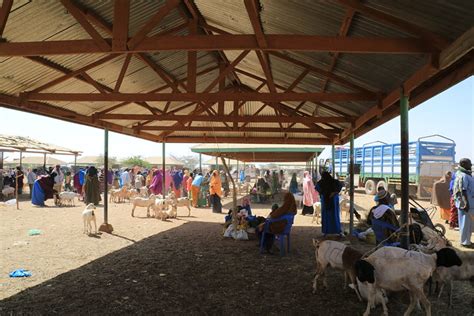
[379, 73]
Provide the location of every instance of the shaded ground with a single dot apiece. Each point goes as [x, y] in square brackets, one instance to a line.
[175, 267]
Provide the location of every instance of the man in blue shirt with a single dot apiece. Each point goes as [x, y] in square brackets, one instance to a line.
[463, 191]
[195, 187]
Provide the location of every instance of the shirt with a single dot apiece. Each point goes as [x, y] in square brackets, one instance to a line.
[197, 180]
[31, 177]
[125, 178]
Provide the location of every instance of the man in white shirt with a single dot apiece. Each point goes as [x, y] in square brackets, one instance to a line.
[126, 180]
[31, 178]
[58, 179]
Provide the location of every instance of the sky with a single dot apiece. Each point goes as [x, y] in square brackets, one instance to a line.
[450, 114]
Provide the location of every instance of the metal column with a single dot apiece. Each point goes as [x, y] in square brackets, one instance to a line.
[1, 161]
[333, 162]
[44, 163]
[75, 162]
[351, 186]
[21, 160]
[164, 169]
[106, 227]
[200, 163]
[404, 136]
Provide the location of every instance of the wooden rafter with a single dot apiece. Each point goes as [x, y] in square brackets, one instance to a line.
[202, 97]
[246, 139]
[122, 73]
[120, 31]
[82, 20]
[226, 129]
[4, 12]
[430, 37]
[101, 88]
[152, 22]
[276, 42]
[192, 62]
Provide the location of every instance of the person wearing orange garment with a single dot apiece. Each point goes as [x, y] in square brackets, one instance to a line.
[215, 191]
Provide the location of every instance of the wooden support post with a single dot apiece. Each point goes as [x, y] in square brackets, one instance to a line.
[106, 227]
[164, 168]
[200, 163]
[404, 161]
[351, 186]
[234, 195]
[1, 161]
[44, 162]
[317, 166]
[16, 190]
[21, 159]
[217, 163]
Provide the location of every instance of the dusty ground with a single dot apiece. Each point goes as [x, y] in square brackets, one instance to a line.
[174, 267]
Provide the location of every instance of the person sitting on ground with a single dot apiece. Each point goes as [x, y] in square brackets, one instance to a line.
[383, 211]
[288, 207]
[43, 189]
[245, 206]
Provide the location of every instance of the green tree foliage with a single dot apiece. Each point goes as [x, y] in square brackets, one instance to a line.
[135, 161]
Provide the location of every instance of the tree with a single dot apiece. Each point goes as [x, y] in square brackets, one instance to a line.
[136, 161]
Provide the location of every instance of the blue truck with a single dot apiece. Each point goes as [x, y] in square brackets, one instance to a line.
[379, 165]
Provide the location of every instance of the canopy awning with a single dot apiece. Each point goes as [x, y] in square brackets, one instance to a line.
[260, 153]
[27, 145]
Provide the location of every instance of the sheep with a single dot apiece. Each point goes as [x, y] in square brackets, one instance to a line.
[88, 216]
[338, 256]
[144, 191]
[316, 213]
[67, 197]
[464, 272]
[114, 195]
[8, 191]
[397, 269]
[143, 202]
[160, 206]
[184, 201]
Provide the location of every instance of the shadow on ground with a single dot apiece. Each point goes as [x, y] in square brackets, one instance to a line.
[192, 270]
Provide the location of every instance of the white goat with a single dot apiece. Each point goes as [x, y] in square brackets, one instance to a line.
[143, 202]
[397, 269]
[316, 213]
[8, 191]
[67, 197]
[183, 201]
[144, 191]
[465, 272]
[88, 216]
[161, 205]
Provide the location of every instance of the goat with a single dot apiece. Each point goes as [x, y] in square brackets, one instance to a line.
[143, 202]
[316, 213]
[161, 205]
[144, 191]
[88, 216]
[67, 197]
[397, 269]
[184, 201]
[8, 191]
[465, 272]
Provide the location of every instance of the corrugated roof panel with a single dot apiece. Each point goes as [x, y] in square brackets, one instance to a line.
[229, 15]
[72, 85]
[447, 18]
[75, 62]
[301, 17]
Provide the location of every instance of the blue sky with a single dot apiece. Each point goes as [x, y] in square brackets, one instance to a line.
[450, 114]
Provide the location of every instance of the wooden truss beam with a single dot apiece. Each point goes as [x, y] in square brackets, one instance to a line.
[238, 129]
[227, 118]
[120, 31]
[201, 97]
[249, 140]
[4, 13]
[276, 42]
[430, 37]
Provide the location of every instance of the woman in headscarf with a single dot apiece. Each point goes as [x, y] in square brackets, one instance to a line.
[168, 181]
[156, 186]
[203, 199]
[329, 189]
[215, 191]
[246, 205]
[441, 197]
[77, 182]
[310, 196]
[91, 187]
[185, 183]
[275, 182]
[288, 207]
[177, 176]
[43, 190]
[149, 177]
[383, 211]
[293, 184]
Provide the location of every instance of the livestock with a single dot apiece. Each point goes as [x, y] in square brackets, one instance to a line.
[396, 269]
[161, 205]
[114, 195]
[88, 217]
[316, 213]
[67, 196]
[144, 191]
[8, 191]
[184, 201]
[446, 276]
[143, 202]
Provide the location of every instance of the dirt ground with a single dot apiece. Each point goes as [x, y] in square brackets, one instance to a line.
[179, 266]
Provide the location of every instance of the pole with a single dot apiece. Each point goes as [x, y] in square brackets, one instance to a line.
[16, 190]
[404, 136]
[21, 160]
[164, 168]
[44, 162]
[316, 166]
[106, 227]
[351, 186]
[75, 162]
[200, 163]
[333, 162]
[217, 163]
[1, 161]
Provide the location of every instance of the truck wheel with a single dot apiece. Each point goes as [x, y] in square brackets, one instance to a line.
[383, 184]
[370, 187]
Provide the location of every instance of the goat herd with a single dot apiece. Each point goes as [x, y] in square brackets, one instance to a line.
[392, 269]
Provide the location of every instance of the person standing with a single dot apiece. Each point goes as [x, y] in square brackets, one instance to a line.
[58, 179]
[91, 187]
[31, 178]
[215, 191]
[19, 176]
[67, 181]
[464, 198]
[138, 181]
[126, 180]
[310, 196]
[293, 184]
[195, 188]
[441, 196]
[329, 189]
[453, 218]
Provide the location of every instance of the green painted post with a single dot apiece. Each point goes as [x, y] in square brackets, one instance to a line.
[333, 162]
[163, 162]
[404, 138]
[351, 186]
[106, 169]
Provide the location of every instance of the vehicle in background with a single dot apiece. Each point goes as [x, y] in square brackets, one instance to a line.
[380, 165]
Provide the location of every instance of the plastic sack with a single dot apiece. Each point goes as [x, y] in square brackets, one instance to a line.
[20, 273]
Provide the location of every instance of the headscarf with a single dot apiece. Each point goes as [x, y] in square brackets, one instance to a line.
[216, 184]
[288, 207]
[47, 184]
[177, 178]
[327, 186]
[309, 193]
[293, 184]
[156, 186]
